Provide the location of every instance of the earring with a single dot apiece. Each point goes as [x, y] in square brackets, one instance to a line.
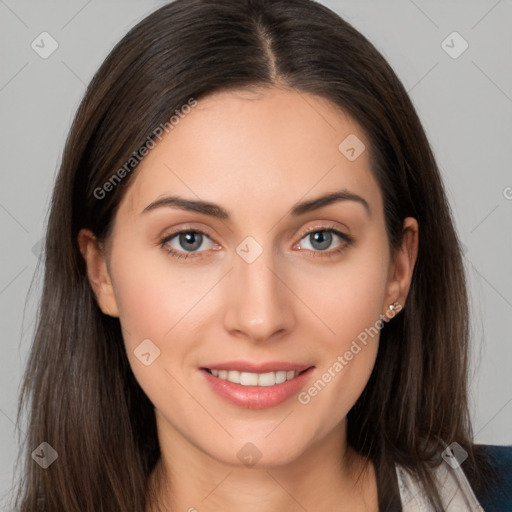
[393, 309]
[393, 306]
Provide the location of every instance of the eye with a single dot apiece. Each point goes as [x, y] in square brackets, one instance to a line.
[321, 239]
[186, 243]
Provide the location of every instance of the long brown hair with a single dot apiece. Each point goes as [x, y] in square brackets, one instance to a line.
[86, 402]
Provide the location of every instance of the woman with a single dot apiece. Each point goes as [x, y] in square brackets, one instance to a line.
[308, 349]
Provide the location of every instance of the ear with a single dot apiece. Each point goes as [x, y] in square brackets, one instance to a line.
[94, 255]
[402, 266]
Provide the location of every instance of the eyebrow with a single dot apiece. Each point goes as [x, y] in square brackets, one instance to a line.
[219, 212]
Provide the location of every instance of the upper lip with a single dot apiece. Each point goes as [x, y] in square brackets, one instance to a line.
[250, 367]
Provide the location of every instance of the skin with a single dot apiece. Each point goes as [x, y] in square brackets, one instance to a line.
[256, 154]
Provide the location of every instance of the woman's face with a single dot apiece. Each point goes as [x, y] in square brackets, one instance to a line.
[266, 278]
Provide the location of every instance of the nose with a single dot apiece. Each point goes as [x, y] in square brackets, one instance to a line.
[259, 302]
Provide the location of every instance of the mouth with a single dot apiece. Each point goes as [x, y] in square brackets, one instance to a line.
[255, 379]
[272, 385]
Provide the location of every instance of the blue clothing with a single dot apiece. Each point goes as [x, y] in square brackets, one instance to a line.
[497, 494]
[499, 497]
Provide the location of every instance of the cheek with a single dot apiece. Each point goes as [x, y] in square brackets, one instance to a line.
[351, 306]
[153, 316]
[347, 297]
[144, 308]
[153, 296]
[160, 306]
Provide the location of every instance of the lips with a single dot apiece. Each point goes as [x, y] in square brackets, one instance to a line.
[249, 367]
[256, 386]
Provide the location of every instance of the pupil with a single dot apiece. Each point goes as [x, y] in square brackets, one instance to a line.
[323, 238]
[189, 239]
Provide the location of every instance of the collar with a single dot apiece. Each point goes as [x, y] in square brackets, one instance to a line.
[455, 490]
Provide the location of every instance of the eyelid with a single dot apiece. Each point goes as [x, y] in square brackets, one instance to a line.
[186, 228]
[326, 227]
[330, 227]
[346, 238]
[164, 239]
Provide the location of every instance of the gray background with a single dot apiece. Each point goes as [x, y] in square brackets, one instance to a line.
[465, 104]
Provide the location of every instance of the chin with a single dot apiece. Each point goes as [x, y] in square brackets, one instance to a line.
[258, 453]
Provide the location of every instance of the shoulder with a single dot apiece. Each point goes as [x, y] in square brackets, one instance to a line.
[497, 496]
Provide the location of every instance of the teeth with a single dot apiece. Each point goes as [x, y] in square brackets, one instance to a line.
[249, 379]
[280, 377]
[263, 379]
[255, 379]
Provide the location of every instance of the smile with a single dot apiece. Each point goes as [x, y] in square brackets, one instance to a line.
[272, 385]
[254, 379]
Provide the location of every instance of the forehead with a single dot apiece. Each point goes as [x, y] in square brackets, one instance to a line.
[248, 149]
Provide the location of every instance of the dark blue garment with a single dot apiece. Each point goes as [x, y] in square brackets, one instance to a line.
[497, 494]
[498, 497]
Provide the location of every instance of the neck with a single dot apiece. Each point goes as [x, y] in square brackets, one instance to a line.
[328, 476]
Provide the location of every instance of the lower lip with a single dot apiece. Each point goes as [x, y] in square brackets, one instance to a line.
[256, 397]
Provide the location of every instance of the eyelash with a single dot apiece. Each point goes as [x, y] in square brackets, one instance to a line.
[322, 254]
